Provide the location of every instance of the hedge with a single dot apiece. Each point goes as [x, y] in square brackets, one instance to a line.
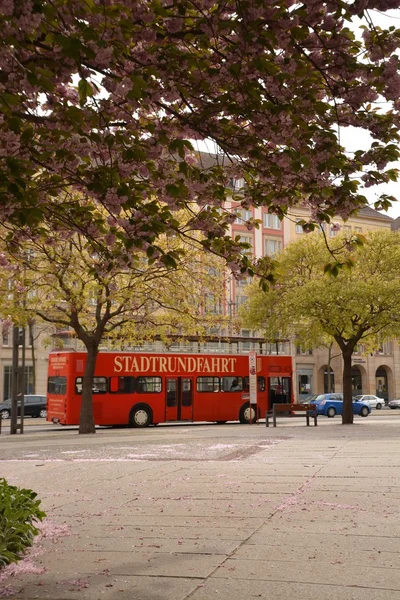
[19, 512]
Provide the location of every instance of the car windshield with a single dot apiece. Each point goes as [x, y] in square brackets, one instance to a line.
[357, 397]
[309, 399]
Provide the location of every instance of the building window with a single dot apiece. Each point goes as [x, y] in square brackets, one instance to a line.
[358, 229]
[384, 348]
[247, 239]
[7, 374]
[303, 350]
[272, 221]
[29, 379]
[272, 246]
[236, 184]
[243, 215]
[332, 231]
[212, 305]
[246, 346]
[304, 384]
[245, 281]
[277, 348]
[6, 338]
[7, 379]
[240, 300]
[299, 228]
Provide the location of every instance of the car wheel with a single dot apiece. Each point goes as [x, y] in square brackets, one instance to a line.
[378, 406]
[140, 416]
[5, 414]
[43, 413]
[364, 412]
[331, 412]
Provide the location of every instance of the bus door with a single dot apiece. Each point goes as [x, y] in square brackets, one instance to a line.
[279, 390]
[179, 401]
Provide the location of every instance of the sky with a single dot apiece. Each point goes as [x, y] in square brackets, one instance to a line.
[353, 139]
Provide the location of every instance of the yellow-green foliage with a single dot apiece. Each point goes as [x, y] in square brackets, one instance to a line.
[361, 304]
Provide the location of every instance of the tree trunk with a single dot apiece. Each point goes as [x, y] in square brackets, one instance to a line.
[347, 417]
[86, 421]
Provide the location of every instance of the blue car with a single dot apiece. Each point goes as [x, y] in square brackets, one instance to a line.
[332, 404]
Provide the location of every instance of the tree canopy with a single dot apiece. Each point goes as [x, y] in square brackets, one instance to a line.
[106, 98]
[64, 280]
[361, 305]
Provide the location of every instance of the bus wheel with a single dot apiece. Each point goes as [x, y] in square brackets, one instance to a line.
[140, 416]
[247, 414]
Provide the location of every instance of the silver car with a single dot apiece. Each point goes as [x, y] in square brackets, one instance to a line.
[394, 404]
[373, 401]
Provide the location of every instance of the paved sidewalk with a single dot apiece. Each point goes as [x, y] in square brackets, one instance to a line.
[201, 512]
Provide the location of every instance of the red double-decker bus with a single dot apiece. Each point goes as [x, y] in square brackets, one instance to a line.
[140, 389]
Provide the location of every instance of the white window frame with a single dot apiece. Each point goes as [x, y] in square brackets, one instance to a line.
[6, 339]
[277, 245]
[272, 221]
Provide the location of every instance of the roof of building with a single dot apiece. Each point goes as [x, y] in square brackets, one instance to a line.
[208, 160]
[367, 211]
[396, 224]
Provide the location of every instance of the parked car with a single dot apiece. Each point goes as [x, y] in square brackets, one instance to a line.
[34, 406]
[373, 401]
[394, 403]
[332, 404]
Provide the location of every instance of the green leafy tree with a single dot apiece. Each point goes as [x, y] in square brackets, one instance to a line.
[103, 297]
[360, 305]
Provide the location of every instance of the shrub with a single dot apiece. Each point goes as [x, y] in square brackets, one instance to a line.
[19, 510]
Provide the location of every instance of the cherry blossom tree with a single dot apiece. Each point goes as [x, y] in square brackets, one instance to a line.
[108, 99]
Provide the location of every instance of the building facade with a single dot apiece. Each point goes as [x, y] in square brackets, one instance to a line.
[316, 371]
[37, 340]
[320, 371]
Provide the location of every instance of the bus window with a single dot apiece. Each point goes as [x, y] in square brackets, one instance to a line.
[231, 384]
[207, 384]
[148, 385]
[187, 392]
[171, 393]
[78, 385]
[260, 384]
[99, 385]
[57, 385]
[122, 385]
